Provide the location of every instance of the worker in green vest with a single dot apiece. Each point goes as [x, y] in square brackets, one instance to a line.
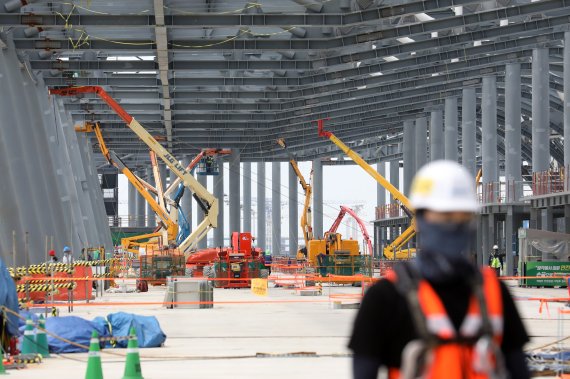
[496, 260]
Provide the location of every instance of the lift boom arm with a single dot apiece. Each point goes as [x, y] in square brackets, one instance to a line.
[396, 194]
[343, 211]
[205, 199]
[306, 219]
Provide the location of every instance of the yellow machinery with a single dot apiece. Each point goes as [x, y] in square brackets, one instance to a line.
[394, 249]
[206, 201]
[168, 228]
[332, 245]
[306, 216]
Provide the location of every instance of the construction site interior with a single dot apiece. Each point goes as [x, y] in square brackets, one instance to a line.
[209, 188]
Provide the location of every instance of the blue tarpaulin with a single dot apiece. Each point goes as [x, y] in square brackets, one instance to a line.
[148, 329]
[9, 299]
[72, 328]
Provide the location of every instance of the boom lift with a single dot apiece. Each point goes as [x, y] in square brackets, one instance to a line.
[306, 216]
[206, 201]
[343, 211]
[394, 249]
[168, 228]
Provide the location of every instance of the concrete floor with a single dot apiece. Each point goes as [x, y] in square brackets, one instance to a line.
[212, 343]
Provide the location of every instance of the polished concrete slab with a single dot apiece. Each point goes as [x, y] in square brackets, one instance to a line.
[223, 342]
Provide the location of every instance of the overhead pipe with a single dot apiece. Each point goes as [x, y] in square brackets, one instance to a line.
[14, 5]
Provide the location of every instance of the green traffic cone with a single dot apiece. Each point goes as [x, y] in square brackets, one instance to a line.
[133, 364]
[41, 338]
[94, 369]
[29, 343]
[2, 368]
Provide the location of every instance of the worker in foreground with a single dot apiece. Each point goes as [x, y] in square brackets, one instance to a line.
[440, 316]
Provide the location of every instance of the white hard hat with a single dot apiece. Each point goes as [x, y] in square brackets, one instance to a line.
[444, 186]
[495, 247]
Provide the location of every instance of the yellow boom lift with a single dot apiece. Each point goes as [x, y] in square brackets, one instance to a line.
[206, 201]
[168, 227]
[306, 216]
[394, 249]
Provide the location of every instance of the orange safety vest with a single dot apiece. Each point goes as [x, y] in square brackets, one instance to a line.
[454, 359]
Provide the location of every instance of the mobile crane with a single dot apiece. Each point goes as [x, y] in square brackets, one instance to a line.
[394, 249]
[206, 201]
[306, 216]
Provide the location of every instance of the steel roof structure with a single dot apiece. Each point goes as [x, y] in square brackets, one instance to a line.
[240, 74]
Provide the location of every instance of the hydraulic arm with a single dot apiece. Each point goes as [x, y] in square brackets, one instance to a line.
[392, 249]
[343, 211]
[306, 217]
[205, 199]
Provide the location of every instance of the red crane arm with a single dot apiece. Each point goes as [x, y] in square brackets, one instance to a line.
[343, 211]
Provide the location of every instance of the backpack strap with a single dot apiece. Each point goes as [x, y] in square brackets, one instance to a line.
[407, 284]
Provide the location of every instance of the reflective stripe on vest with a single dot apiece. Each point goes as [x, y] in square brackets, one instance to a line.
[495, 263]
[453, 360]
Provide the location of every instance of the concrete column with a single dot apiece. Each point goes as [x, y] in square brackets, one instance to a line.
[247, 211]
[547, 219]
[489, 130]
[409, 156]
[421, 142]
[451, 122]
[141, 207]
[469, 129]
[150, 215]
[540, 110]
[163, 175]
[318, 198]
[276, 208]
[513, 160]
[186, 201]
[436, 135]
[234, 195]
[381, 191]
[567, 98]
[132, 205]
[394, 176]
[203, 180]
[293, 213]
[219, 194]
[261, 215]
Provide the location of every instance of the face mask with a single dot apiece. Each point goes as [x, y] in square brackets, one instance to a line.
[444, 249]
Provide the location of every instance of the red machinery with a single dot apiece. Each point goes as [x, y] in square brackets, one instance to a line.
[237, 264]
[343, 211]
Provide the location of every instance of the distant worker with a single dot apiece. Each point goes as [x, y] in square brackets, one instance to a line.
[67, 255]
[427, 319]
[496, 260]
[52, 257]
[267, 261]
[209, 164]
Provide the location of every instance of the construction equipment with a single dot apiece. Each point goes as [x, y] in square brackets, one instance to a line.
[343, 211]
[235, 266]
[167, 231]
[306, 216]
[394, 249]
[206, 201]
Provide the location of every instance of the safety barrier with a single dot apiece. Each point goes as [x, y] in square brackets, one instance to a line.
[550, 181]
[503, 192]
[392, 210]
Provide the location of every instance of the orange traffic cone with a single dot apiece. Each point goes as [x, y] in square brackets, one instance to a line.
[133, 364]
[94, 369]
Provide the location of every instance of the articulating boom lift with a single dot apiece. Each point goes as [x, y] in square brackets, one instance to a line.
[393, 250]
[207, 202]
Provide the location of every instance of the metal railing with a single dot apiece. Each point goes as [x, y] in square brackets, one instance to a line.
[130, 221]
[550, 181]
[393, 210]
[503, 192]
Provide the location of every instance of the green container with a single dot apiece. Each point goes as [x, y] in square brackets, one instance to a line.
[546, 269]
